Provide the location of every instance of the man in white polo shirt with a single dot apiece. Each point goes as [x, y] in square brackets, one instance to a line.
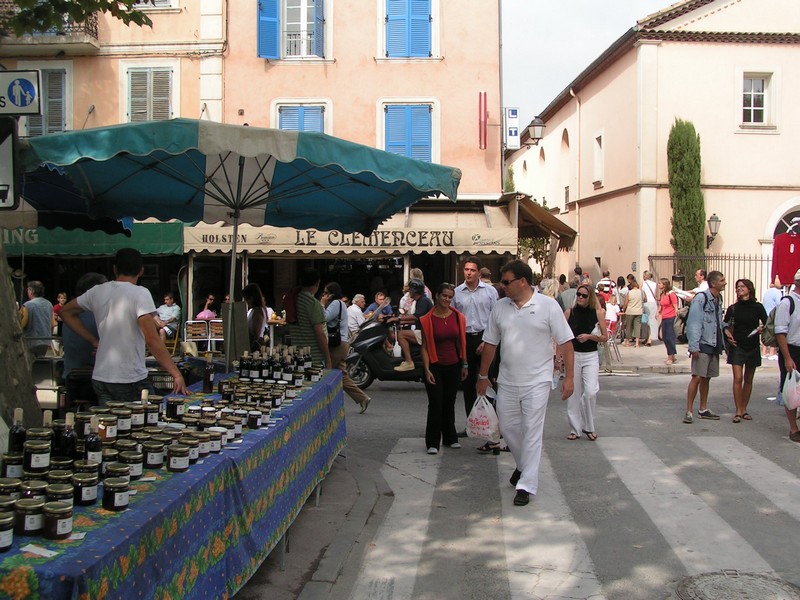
[525, 321]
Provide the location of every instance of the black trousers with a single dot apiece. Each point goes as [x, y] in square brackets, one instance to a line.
[441, 423]
[473, 366]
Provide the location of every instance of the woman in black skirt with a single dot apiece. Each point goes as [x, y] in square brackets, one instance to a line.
[744, 321]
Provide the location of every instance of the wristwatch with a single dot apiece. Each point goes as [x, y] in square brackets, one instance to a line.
[482, 376]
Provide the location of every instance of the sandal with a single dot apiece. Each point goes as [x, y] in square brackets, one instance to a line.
[591, 435]
[487, 447]
[737, 418]
[747, 417]
[573, 436]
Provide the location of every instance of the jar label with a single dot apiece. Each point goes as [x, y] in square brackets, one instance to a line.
[121, 499]
[65, 500]
[298, 381]
[89, 492]
[152, 418]
[14, 471]
[205, 447]
[64, 526]
[34, 522]
[291, 393]
[315, 378]
[137, 419]
[136, 469]
[180, 409]
[155, 458]
[123, 424]
[40, 461]
[95, 456]
[216, 445]
[237, 429]
[108, 431]
[194, 452]
[178, 462]
[6, 537]
[287, 377]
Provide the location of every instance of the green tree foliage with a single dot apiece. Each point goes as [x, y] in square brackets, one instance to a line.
[33, 16]
[537, 248]
[508, 180]
[685, 194]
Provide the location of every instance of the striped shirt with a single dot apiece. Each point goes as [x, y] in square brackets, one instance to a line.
[309, 314]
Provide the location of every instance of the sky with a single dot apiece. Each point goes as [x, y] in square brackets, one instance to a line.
[547, 43]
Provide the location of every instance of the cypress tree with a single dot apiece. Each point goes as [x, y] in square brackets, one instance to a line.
[685, 194]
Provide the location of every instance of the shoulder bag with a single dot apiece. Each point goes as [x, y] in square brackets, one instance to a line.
[334, 334]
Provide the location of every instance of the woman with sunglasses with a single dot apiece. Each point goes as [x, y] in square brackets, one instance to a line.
[588, 323]
[744, 320]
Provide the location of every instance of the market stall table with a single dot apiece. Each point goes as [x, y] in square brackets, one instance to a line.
[198, 534]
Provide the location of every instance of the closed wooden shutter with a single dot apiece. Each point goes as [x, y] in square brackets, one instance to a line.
[54, 117]
[149, 94]
[269, 29]
[408, 130]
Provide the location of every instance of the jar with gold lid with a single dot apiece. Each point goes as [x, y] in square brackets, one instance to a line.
[12, 465]
[115, 494]
[60, 476]
[118, 470]
[85, 485]
[204, 443]
[6, 530]
[33, 488]
[86, 466]
[194, 447]
[178, 458]
[61, 492]
[124, 416]
[29, 519]
[36, 456]
[9, 486]
[57, 520]
[153, 454]
[218, 436]
[135, 462]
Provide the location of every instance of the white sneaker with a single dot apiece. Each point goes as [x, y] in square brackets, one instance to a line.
[433, 451]
[455, 446]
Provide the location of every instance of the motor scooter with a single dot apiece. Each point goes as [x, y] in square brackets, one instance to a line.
[369, 360]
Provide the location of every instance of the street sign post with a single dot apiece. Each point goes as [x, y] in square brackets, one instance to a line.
[19, 93]
[9, 191]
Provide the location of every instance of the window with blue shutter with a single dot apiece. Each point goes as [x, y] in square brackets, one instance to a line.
[291, 29]
[408, 28]
[269, 29]
[301, 118]
[408, 130]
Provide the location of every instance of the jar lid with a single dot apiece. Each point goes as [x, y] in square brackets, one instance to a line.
[10, 481]
[60, 488]
[162, 439]
[131, 456]
[189, 440]
[115, 483]
[37, 445]
[108, 418]
[99, 410]
[109, 454]
[57, 508]
[33, 484]
[112, 404]
[86, 465]
[39, 433]
[119, 468]
[176, 400]
[135, 406]
[201, 435]
[178, 449]
[29, 504]
[125, 445]
[11, 457]
[6, 518]
[84, 478]
[153, 445]
[217, 432]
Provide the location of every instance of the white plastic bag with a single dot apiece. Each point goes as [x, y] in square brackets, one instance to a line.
[397, 351]
[791, 391]
[482, 422]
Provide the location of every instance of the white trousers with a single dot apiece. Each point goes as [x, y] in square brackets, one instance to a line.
[521, 411]
[581, 405]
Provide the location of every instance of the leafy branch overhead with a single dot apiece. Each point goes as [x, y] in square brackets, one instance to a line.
[32, 16]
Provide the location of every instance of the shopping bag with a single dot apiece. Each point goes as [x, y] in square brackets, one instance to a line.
[482, 422]
[791, 391]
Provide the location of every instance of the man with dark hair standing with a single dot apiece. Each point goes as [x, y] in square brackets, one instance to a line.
[310, 329]
[125, 315]
[474, 299]
[525, 321]
[704, 332]
[36, 319]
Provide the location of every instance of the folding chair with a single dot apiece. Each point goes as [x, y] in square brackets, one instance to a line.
[216, 333]
[195, 331]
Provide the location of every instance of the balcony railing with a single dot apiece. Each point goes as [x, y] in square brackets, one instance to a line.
[69, 38]
[297, 43]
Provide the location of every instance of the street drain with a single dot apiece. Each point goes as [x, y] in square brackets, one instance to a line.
[728, 584]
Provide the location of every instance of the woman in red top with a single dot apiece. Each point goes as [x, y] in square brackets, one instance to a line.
[667, 309]
[444, 356]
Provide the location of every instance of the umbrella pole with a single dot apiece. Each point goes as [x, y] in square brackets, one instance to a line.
[236, 214]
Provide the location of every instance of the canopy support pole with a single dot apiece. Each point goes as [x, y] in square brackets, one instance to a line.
[236, 214]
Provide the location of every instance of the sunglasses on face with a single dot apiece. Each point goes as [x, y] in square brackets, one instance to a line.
[509, 281]
[579, 295]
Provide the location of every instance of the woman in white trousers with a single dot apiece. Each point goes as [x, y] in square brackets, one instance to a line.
[588, 323]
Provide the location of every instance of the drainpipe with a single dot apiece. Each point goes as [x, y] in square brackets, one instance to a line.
[578, 179]
[502, 105]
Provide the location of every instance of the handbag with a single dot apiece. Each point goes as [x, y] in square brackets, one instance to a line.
[334, 335]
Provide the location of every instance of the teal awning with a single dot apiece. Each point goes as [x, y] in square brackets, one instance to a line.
[147, 238]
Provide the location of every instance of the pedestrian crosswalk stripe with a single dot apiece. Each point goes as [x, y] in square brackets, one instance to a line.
[700, 538]
[780, 486]
[545, 553]
[390, 565]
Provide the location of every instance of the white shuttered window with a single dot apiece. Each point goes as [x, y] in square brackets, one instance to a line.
[149, 94]
[53, 118]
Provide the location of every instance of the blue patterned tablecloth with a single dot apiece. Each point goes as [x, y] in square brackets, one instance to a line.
[198, 534]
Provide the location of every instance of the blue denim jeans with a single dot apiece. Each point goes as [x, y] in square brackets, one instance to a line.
[119, 392]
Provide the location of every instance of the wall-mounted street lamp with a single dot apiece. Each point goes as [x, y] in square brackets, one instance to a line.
[535, 132]
[713, 228]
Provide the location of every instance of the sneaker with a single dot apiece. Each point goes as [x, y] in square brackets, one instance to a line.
[707, 414]
[432, 450]
[455, 446]
[688, 418]
[522, 498]
[364, 405]
[405, 366]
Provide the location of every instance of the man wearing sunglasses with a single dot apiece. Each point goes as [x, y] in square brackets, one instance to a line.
[474, 299]
[525, 321]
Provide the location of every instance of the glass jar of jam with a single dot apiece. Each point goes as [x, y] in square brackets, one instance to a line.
[60, 463]
[7, 503]
[162, 438]
[153, 454]
[118, 470]
[60, 476]
[115, 494]
[99, 410]
[241, 414]
[12, 465]
[85, 485]
[175, 408]
[57, 520]
[254, 419]
[86, 466]
[126, 445]
[112, 404]
[208, 412]
[137, 415]
[82, 423]
[204, 443]
[190, 422]
[151, 413]
[109, 455]
[9, 486]
[39, 433]
[205, 424]
[61, 492]
[6, 530]
[124, 416]
[108, 427]
[194, 447]
[36, 456]
[152, 430]
[33, 488]
[140, 437]
[230, 427]
[178, 458]
[135, 462]
[29, 517]
[218, 435]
